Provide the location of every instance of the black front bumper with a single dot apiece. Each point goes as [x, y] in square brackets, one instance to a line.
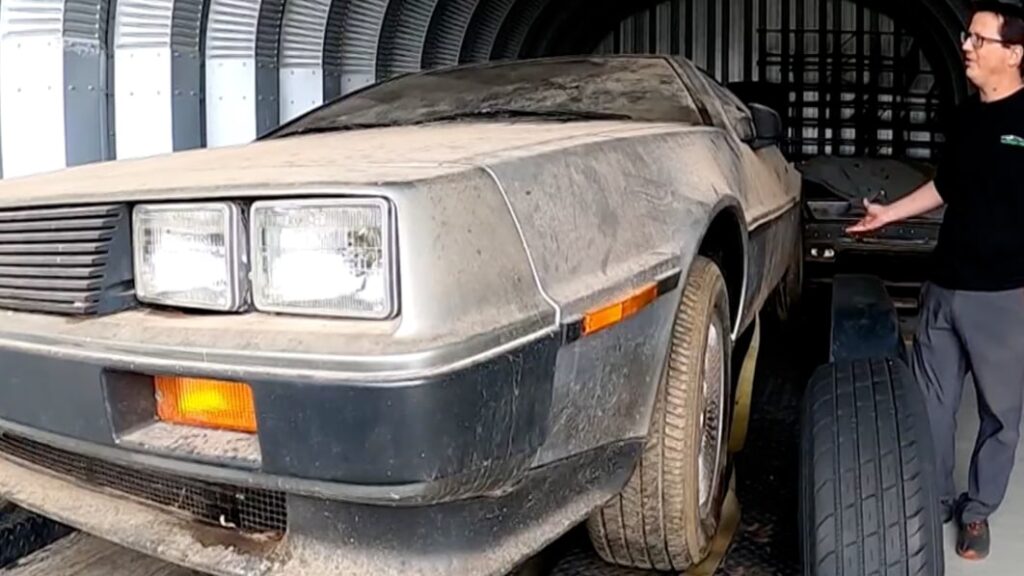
[429, 476]
[451, 436]
[482, 536]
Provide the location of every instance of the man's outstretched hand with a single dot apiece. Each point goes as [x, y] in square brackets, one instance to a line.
[925, 199]
[875, 218]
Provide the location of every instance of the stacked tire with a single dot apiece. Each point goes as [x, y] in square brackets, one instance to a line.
[867, 499]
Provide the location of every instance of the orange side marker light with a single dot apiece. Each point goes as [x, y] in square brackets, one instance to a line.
[612, 314]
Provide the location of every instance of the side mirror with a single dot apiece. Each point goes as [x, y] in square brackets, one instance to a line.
[767, 126]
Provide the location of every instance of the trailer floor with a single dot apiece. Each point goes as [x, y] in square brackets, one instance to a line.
[765, 542]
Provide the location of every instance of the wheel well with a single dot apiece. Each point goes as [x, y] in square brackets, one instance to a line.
[723, 244]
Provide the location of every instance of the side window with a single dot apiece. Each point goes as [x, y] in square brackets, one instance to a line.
[733, 106]
[736, 113]
[726, 110]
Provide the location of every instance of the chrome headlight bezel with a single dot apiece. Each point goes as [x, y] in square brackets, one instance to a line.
[235, 257]
[388, 252]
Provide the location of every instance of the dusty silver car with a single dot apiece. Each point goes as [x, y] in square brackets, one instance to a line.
[426, 328]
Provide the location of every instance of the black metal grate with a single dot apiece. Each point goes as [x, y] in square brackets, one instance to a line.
[66, 260]
[247, 509]
[849, 78]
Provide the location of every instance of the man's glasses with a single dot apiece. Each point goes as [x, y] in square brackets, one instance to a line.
[978, 40]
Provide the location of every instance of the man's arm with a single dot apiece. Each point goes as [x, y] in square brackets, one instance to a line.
[920, 201]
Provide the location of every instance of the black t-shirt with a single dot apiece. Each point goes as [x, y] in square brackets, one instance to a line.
[981, 178]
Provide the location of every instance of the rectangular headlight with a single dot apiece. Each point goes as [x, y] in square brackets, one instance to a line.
[329, 257]
[189, 255]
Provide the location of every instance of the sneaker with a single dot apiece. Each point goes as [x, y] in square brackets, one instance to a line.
[973, 540]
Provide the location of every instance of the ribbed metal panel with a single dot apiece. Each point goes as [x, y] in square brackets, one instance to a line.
[332, 48]
[143, 24]
[268, 32]
[65, 260]
[517, 25]
[86, 20]
[231, 29]
[302, 33]
[483, 30]
[405, 30]
[332, 38]
[359, 40]
[186, 31]
[446, 32]
[303, 29]
[158, 100]
[54, 64]
[31, 112]
[268, 41]
[241, 72]
[32, 17]
[58, 104]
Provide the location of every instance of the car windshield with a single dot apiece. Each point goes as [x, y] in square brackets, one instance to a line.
[632, 88]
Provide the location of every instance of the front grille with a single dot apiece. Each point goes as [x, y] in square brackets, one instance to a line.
[72, 261]
[247, 509]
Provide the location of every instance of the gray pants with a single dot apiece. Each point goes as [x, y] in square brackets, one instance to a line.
[981, 333]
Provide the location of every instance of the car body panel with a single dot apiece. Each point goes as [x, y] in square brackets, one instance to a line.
[482, 387]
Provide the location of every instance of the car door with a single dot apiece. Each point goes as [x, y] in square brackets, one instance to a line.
[768, 190]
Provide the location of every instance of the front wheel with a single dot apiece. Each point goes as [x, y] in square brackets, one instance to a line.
[668, 513]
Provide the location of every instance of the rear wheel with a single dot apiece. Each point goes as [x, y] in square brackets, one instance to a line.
[669, 511]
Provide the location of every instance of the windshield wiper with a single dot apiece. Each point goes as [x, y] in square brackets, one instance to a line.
[526, 113]
[552, 114]
[323, 128]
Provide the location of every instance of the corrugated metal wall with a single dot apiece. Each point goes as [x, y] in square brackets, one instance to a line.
[89, 80]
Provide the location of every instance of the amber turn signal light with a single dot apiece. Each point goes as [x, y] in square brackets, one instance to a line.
[612, 314]
[206, 403]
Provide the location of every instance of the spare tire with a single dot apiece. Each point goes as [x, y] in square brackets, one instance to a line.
[867, 500]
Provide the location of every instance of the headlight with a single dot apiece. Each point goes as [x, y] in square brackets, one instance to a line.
[325, 257]
[189, 255]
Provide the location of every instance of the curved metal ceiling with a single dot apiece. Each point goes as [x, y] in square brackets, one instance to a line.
[220, 72]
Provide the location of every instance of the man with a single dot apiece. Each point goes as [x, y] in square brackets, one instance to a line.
[972, 312]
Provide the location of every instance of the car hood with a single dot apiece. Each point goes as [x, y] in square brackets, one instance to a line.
[854, 179]
[292, 165]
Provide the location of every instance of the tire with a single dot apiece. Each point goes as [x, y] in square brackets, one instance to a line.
[657, 521]
[867, 502]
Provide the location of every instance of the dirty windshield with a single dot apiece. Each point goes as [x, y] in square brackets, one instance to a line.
[633, 88]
